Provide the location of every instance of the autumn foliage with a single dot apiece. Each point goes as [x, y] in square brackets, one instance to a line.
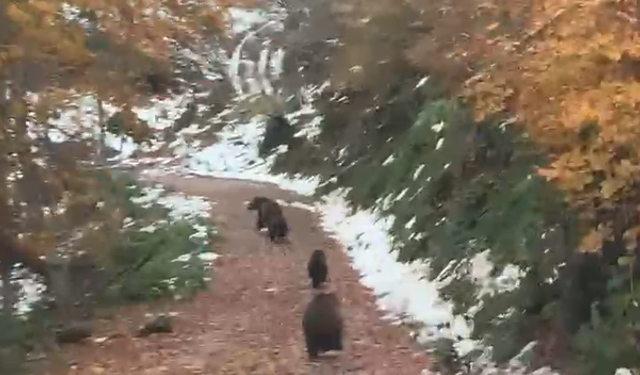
[571, 78]
[568, 71]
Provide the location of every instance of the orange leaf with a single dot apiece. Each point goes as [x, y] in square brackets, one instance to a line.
[592, 242]
[549, 173]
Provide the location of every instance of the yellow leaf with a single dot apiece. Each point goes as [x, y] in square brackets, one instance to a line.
[625, 169]
[47, 7]
[493, 26]
[610, 187]
[575, 180]
[18, 15]
[599, 161]
[612, 54]
[630, 237]
[626, 261]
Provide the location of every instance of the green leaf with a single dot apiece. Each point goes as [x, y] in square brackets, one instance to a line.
[626, 260]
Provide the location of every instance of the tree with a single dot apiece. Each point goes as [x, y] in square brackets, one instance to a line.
[374, 36]
[570, 77]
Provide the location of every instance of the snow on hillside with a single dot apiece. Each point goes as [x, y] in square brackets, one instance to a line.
[79, 121]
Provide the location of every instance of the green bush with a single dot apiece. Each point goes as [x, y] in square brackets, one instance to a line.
[142, 259]
[153, 266]
[154, 256]
[13, 352]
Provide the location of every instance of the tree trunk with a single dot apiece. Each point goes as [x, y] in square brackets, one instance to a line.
[8, 292]
[100, 156]
[60, 288]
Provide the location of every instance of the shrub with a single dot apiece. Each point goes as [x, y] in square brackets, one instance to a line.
[157, 263]
[155, 255]
[12, 344]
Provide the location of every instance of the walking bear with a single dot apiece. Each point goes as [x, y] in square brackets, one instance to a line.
[317, 268]
[322, 325]
[270, 216]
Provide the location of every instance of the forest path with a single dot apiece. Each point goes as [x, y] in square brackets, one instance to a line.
[249, 321]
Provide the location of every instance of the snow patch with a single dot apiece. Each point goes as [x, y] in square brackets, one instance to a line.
[277, 63]
[236, 156]
[243, 20]
[180, 206]
[262, 71]
[30, 287]
[481, 268]
[403, 287]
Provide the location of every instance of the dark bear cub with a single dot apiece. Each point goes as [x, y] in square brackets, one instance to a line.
[317, 268]
[322, 325]
[278, 228]
[256, 204]
[270, 216]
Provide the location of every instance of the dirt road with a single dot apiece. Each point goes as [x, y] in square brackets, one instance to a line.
[249, 321]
